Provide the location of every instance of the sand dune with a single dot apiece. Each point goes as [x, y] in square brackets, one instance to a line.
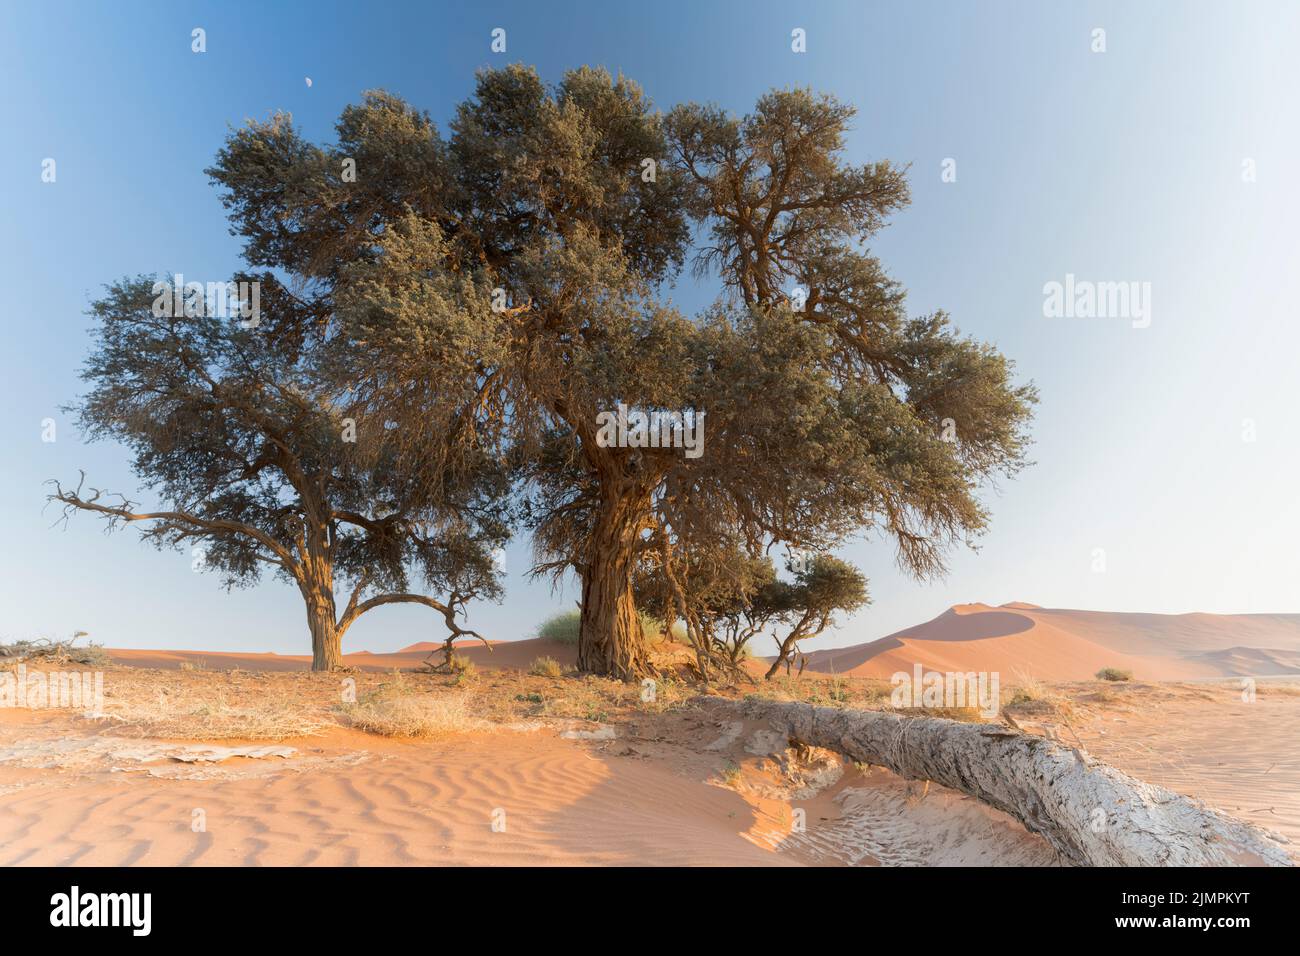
[516, 654]
[1023, 639]
[1017, 639]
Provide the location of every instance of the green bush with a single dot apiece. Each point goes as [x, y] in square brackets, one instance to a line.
[562, 627]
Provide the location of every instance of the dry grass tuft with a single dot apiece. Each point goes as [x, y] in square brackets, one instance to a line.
[1114, 674]
[464, 669]
[546, 667]
[1032, 696]
[47, 650]
[186, 717]
[966, 715]
[420, 716]
[824, 690]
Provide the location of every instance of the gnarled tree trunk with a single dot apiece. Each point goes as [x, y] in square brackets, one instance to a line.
[326, 641]
[1091, 813]
[315, 574]
[609, 638]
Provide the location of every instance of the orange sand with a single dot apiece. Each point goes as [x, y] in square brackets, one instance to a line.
[1022, 640]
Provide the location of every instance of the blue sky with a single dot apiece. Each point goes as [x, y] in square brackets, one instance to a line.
[1117, 166]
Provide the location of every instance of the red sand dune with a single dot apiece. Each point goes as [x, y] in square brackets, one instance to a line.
[1017, 640]
[517, 654]
[1020, 639]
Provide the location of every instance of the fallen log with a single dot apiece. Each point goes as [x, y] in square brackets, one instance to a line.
[1091, 813]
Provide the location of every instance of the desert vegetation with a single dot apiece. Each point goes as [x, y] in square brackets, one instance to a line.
[1114, 674]
[447, 324]
[54, 651]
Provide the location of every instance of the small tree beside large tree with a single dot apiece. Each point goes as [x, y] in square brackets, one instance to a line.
[500, 292]
[258, 459]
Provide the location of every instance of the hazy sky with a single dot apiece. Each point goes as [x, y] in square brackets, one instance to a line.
[1129, 165]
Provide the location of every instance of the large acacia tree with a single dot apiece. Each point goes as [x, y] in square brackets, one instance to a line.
[262, 455]
[541, 233]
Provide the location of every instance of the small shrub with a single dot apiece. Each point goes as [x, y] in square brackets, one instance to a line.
[49, 651]
[562, 627]
[651, 627]
[415, 716]
[464, 668]
[1114, 674]
[546, 667]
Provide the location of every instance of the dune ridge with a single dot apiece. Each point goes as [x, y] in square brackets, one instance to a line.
[1024, 639]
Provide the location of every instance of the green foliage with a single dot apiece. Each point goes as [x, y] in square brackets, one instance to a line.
[562, 627]
[493, 291]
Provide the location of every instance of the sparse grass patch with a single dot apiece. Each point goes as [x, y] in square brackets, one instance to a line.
[1030, 690]
[825, 690]
[52, 651]
[546, 667]
[463, 669]
[422, 716]
[1032, 696]
[1114, 674]
[731, 776]
[186, 716]
[402, 708]
[967, 715]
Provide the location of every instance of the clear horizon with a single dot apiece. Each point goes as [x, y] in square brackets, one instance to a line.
[1141, 434]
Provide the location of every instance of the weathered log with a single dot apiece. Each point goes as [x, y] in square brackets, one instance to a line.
[1091, 813]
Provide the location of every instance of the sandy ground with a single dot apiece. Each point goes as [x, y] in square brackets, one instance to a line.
[523, 796]
[576, 771]
[1235, 750]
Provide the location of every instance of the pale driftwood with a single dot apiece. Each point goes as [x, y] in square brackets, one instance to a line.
[1091, 813]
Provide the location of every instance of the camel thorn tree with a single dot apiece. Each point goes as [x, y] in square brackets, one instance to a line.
[528, 244]
[255, 452]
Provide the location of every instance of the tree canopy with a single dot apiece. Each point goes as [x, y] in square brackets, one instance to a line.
[263, 460]
[499, 293]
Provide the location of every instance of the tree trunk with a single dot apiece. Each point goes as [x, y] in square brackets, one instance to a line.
[326, 641]
[782, 657]
[609, 637]
[316, 582]
[1091, 813]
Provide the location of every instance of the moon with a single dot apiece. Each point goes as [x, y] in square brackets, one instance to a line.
[308, 81]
